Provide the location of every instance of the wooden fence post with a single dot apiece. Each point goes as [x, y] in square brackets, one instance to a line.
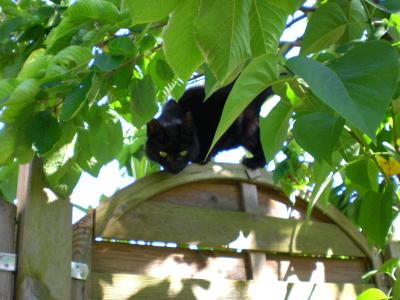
[82, 240]
[257, 260]
[7, 245]
[44, 238]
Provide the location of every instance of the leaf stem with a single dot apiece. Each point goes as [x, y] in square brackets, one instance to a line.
[369, 18]
[395, 131]
[361, 140]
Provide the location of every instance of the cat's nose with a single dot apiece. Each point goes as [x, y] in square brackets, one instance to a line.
[175, 169]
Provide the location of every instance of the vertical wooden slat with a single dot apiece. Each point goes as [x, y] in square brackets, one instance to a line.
[82, 240]
[7, 245]
[257, 260]
[44, 238]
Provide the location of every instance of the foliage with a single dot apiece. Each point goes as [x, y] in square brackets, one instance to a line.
[72, 73]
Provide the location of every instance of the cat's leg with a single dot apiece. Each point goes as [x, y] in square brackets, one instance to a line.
[253, 144]
[257, 161]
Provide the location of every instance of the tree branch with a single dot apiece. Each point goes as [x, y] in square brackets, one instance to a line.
[295, 20]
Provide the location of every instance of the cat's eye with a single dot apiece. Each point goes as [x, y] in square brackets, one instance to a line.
[163, 154]
[183, 153]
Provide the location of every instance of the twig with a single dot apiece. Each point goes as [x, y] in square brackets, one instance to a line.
[307, 9]
[370, 21]
[295, 20]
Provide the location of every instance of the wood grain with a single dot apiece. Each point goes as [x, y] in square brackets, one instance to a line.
[163, 222]
[257, 260]
[162, 261]
[44, 239]
[82, 240]
[148, 187]
[7, 245]
[109, 286]
[218, 195]
[316, 270]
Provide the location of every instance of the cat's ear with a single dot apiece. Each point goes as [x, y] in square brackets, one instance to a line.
[154, 128]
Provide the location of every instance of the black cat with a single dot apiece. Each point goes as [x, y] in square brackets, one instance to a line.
[184, 131]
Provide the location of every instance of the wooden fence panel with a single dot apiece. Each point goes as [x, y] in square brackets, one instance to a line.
[160, 221]
[163, 261]
[7, 245]
[108, 286]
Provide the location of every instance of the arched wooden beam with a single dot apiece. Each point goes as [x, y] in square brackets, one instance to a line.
[126, 199]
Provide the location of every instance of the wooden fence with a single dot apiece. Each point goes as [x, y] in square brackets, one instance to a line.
[210, 232]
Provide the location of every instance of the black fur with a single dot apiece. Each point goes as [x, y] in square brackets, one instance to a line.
[190, 125]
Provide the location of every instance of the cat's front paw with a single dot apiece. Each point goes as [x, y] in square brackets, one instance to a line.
[253, 163]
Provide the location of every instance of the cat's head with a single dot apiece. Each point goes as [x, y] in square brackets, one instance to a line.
[172, 144]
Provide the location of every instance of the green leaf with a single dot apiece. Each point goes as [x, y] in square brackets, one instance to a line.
[60, 36]
[84, 10]
[85, 159]
[357, 89]
[163, 70]
[335, 22]
[61, 169]
[8, 181]
[376, 215]
[370, 85]
[7, 144]
[108, 62]
[267, 22]
[322, 173]
[255, 78]
[44, 132]
[65, 179]
[390, 266]
[75, 100]
[122, 45]
[105, 136]
[35, 65]
[363, 175]
[7, 86]
[372, 294]
[311, 128]
[73, 56]
[180, 47]
[163, 87]
[109, 13]
[357, 20]
[274, 128]
[22, 97]
[150, 10]
[386, 5]
[144, 105]
[223, 35]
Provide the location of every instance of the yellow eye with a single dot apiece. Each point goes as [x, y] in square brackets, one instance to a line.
[163, 154]
[183, 153]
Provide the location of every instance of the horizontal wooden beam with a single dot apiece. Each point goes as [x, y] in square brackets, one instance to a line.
[228, 229]
[124, 286]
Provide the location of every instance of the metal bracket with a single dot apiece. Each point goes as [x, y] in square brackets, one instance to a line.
[8, 263]
[79, 270]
